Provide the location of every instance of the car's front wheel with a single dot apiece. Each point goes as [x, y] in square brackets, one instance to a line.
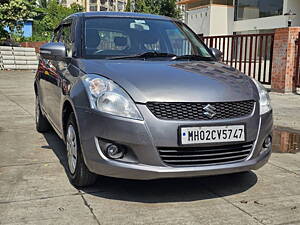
[77, 171]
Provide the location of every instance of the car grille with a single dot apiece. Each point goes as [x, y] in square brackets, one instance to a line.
[195, 111]
[211, 155]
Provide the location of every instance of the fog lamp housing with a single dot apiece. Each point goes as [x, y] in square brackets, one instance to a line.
[114, 152]
[267, 145]
[268, 142]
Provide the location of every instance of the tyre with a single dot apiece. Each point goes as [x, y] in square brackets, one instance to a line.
[41, 122]
[78, 173]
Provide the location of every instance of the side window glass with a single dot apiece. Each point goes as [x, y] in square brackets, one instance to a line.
[65, 37]
[55, 35]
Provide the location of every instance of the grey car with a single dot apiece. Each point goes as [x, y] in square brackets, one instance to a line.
[140, 96]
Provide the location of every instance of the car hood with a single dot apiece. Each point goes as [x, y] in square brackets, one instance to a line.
[171, 81]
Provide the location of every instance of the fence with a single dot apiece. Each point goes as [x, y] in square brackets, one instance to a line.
[250, 53]
[297, 62]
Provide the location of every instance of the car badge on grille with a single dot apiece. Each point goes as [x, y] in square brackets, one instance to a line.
[209, 111]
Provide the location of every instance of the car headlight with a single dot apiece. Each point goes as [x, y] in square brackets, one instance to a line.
[264, 98]
[106, 96]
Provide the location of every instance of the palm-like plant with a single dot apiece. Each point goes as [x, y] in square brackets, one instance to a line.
[42, 3]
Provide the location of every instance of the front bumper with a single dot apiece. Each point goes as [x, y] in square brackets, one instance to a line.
[143, 138]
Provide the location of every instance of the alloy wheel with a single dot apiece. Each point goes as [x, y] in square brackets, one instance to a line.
[71, 148]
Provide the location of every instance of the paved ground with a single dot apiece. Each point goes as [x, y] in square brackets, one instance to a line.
[286, 106]
[35, 190]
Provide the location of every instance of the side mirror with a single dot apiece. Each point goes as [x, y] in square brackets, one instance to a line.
[217, 53]
[53, 50]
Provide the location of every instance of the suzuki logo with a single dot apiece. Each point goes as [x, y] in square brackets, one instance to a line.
[209, 111]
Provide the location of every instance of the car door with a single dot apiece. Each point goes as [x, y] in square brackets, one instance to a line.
[47, 79]
[62, 68]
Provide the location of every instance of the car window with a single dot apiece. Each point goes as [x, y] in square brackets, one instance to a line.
[55, 37]
[104, 40]
[180, 44]
[65, 37]
[107, 37]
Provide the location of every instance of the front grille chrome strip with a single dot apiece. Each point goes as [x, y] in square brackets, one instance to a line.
[199, 156]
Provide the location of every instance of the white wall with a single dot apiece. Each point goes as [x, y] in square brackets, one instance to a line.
[211, 20]
[199, 20]
[221, 21]
[265, 23]
[294, 5]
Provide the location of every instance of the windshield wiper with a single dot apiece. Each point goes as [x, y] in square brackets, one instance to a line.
[192, 57]
[145, 55]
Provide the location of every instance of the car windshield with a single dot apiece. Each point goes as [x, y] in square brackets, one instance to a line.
[117, 38]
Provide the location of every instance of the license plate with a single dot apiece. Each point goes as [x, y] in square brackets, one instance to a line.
[220, 134]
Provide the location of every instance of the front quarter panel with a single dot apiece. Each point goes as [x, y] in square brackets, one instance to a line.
[78, 95]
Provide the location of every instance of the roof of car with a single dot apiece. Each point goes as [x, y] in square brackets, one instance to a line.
[121, 14]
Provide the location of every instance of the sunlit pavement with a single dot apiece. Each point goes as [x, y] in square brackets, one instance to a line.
[34, 188]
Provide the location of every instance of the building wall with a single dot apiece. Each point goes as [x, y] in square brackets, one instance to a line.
[272, 22]
[220, 21]
[199, 20]
[98, 5]
[294, 5]
[26, 29]
[266, 23]
[67, 3]
[203, 20]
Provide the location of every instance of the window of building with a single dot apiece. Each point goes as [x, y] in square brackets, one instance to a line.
[252, 9]
[222, 2]
[93, 8]
[121, 6]
[198, 3]
[103, 8]
[93, 1]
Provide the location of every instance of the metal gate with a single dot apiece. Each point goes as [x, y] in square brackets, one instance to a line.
[297, 75]
[250, 53]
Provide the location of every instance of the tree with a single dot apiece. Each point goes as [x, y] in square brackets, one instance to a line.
[52, 16]
[140, 6]
[168, 8]
[154, 6]
[42, 3]
[76, 8]
[13, 12]
[160, 7]
[128, 6]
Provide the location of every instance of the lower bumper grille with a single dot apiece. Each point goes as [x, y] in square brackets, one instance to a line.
[210, 155]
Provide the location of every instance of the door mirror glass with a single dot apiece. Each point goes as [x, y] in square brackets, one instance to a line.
[217, 53]
[53, 50]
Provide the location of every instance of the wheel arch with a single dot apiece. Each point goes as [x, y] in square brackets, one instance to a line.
[67, 109]
[35, 88]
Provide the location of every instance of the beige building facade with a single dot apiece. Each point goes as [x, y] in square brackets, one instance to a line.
[98, 5]
[227, 17]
